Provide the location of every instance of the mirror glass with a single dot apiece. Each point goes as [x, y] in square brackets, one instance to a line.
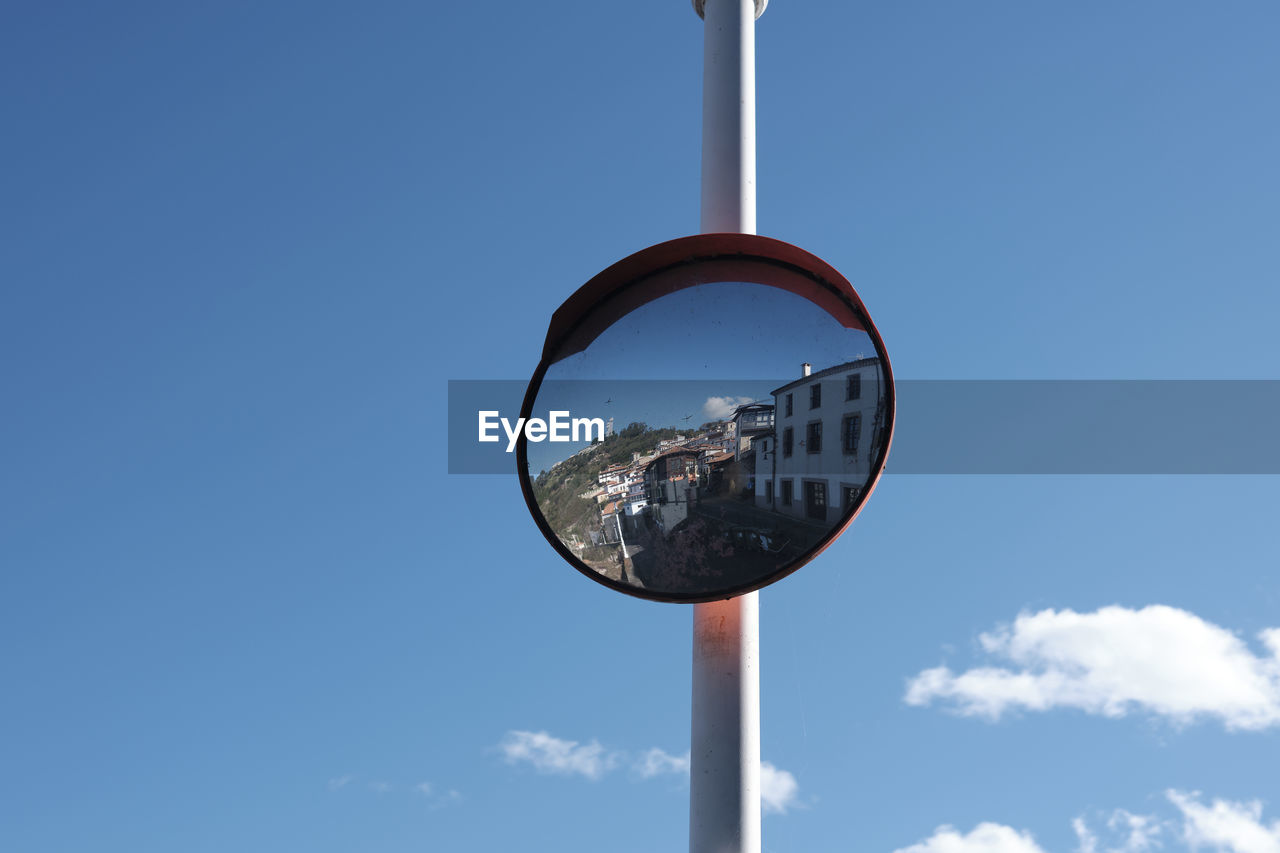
[717, 436]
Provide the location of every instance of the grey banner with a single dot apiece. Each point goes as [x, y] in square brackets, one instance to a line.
[973, 426]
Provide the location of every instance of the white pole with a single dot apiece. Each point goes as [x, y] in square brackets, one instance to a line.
[724, 782]
[729, 114]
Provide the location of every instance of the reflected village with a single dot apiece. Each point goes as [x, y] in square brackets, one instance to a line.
[684, 510]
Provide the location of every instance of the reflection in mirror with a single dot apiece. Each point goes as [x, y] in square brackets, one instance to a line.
[738, 426]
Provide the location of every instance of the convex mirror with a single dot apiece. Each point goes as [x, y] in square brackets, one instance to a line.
[732, 408]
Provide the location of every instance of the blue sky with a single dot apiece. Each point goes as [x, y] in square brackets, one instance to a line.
[243, 605]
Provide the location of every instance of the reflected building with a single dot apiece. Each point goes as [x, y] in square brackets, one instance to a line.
[827, 433]
[750, 423]
[671, 485]
[636, 501]
[611, 523]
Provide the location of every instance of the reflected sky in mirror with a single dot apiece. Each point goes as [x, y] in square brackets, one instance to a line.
[729, 342]
[725, 329]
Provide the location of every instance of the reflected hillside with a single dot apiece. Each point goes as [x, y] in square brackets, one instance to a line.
[726, 502]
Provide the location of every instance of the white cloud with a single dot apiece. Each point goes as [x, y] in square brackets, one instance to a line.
[434, 800]
[983, 838]
[1135, 833]
[552, 755]
[549, 754]
[778, 789]
[1223, 826]
[657, 762]
[1140, 831]
[1159, 659]
[1231, 827]
[451, 797]
[424, 789]
[1086, 841]
[718, 408]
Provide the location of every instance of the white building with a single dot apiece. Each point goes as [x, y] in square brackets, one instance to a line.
[827, 430]
[750, 421]
[671, 484]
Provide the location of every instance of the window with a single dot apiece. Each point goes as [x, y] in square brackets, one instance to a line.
[786, 493]
[768, 491]
[854, 390]
[815, 499]
[813, 440]
[850, 496]
[788, 438]
[852, 431]
[815, 395]
[791, 398]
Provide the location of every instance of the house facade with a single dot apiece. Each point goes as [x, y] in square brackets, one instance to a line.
[827, 432]
[671, 484]
[750, 422]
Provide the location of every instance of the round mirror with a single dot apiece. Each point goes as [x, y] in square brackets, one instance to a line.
[708, 415]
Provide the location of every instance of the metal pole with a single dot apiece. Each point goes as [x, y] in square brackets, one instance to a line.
[729, 114]
[618, 518]
[724, 782]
